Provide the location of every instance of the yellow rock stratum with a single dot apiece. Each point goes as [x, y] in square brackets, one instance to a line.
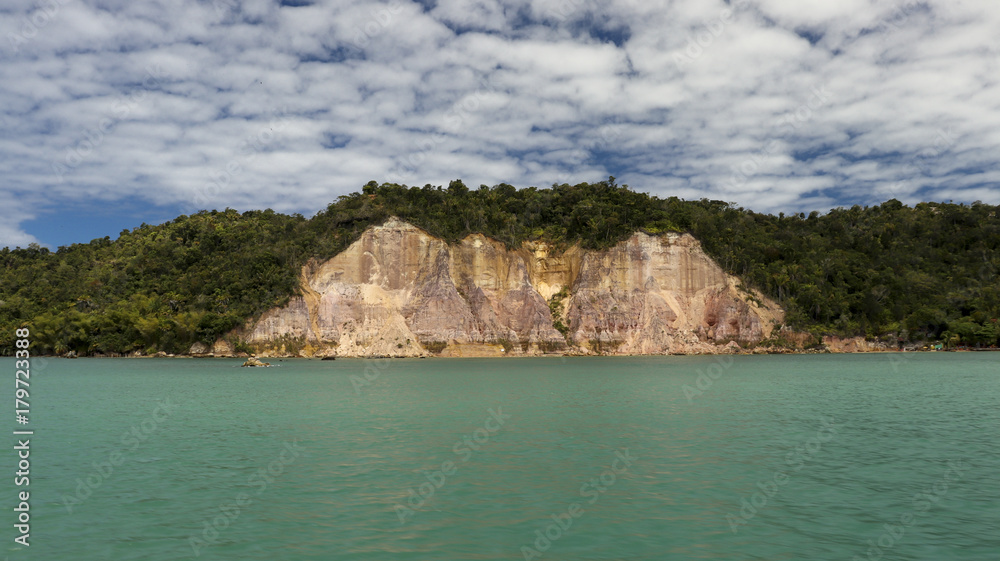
[398, 291]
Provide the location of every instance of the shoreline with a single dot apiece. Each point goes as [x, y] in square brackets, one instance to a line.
[769, 352]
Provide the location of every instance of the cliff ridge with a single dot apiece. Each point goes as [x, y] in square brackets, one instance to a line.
[398, 291]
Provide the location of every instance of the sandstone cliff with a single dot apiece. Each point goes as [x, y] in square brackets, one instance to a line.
[398, 291]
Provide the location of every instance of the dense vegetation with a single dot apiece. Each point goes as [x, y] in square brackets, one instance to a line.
[913, 274]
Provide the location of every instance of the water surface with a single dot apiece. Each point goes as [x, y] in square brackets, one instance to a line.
[852, 440]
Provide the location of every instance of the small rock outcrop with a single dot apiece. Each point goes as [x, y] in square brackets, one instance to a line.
[255, 362]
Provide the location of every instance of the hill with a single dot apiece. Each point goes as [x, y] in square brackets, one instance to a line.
[929, 272]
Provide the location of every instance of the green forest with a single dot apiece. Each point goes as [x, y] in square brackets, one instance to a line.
[919, 274]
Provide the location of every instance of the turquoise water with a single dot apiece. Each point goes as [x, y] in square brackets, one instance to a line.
[826, 451]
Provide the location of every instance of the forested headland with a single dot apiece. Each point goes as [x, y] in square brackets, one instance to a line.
[926, 273]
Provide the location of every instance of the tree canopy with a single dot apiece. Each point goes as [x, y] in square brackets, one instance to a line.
[924, 273]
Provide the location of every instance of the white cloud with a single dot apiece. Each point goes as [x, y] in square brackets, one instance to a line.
[12, 236]
[498, 91]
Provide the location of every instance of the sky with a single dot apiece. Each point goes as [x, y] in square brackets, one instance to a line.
[119, 112]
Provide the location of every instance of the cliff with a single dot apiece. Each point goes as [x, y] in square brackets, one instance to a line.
[398, 291]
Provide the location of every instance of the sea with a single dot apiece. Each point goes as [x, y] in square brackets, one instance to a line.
[892, 456]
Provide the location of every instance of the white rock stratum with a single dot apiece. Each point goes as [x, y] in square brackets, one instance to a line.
[398, 291]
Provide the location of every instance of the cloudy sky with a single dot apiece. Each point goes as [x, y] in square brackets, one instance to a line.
[118, 112]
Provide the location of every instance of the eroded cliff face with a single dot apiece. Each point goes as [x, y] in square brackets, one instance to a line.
[398, 291]
[655, 295]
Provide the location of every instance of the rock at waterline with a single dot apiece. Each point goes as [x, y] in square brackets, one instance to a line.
[253, 361]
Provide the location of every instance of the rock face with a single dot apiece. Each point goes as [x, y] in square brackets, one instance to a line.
[853, 345]
[655, 295]
[253, 362]
[398, 291]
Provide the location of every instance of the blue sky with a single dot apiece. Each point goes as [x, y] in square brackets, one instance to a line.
[114, 113]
